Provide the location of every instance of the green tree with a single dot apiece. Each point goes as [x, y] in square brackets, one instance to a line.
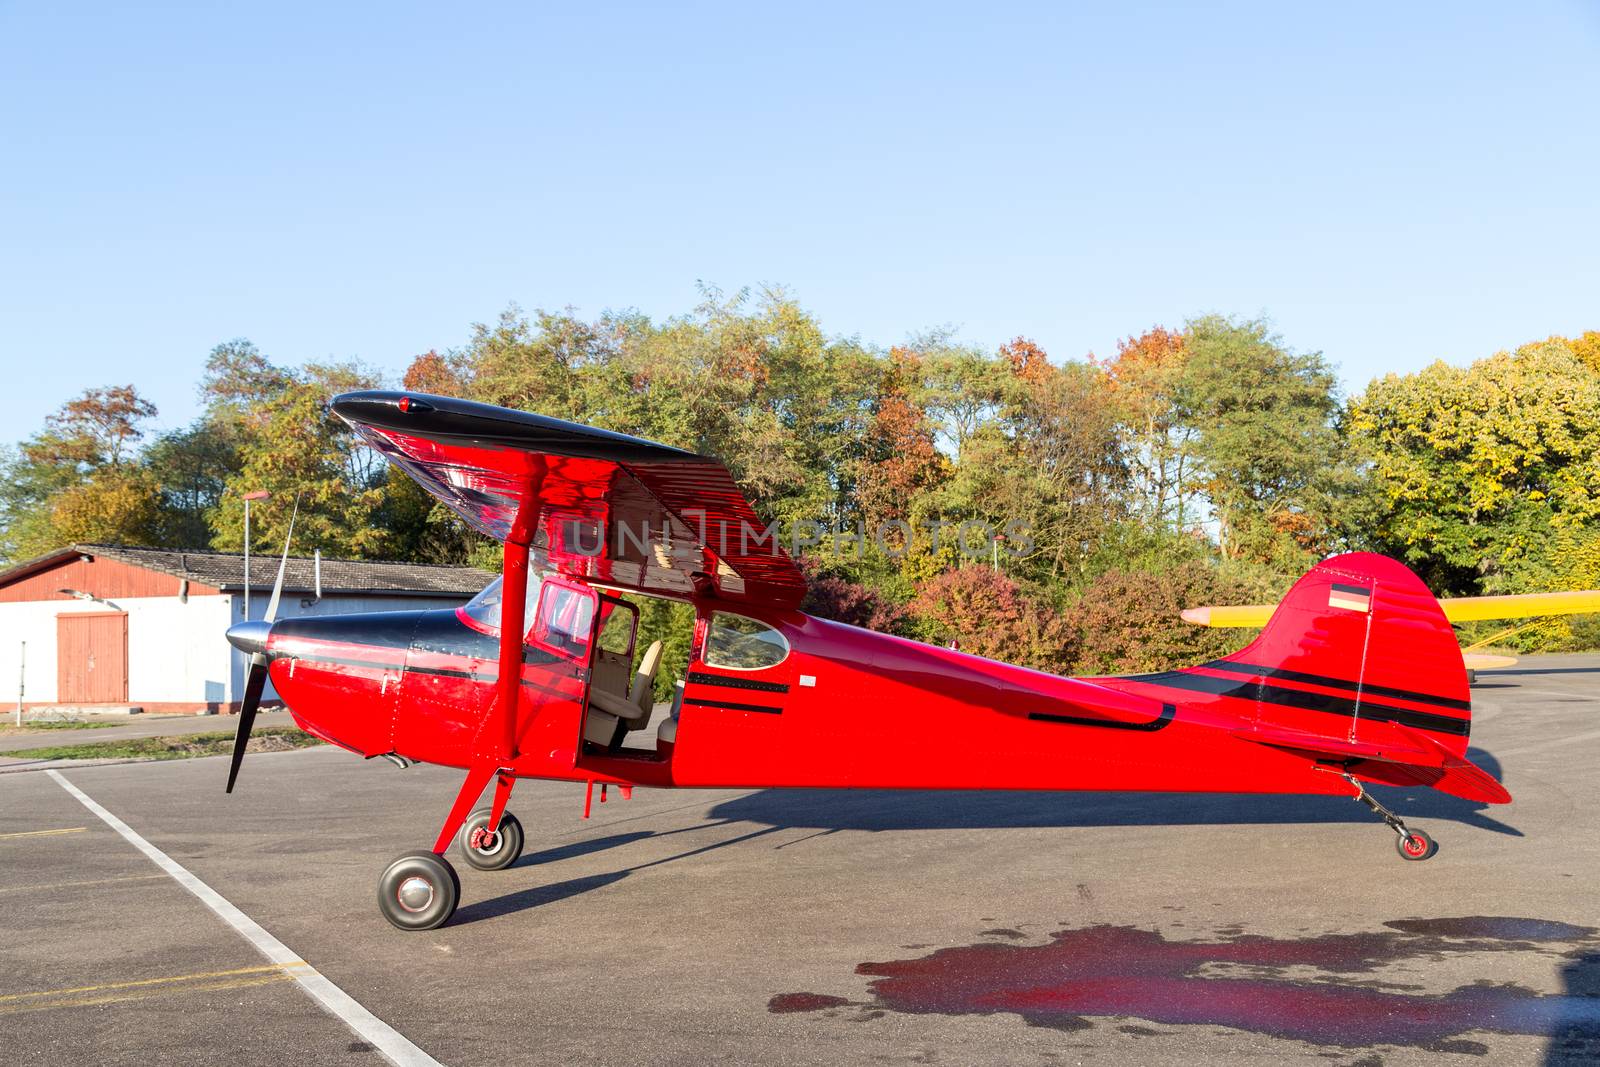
[293, 448]
[1266, 438]
[1489, 475]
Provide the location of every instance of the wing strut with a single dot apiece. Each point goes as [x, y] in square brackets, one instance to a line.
[513, 605]
[498, 745]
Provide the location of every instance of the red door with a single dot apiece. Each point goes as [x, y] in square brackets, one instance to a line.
[92, 658]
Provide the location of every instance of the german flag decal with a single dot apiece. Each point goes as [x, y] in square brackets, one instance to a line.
[1350, 597]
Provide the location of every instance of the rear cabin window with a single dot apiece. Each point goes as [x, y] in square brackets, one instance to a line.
[616, 627]
[742, 644]
[565, 619]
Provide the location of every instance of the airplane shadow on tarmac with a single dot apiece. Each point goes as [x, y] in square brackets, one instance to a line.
[829, 810]
[539, 895]
[890, 809]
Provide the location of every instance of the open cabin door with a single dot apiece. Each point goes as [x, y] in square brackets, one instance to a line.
[608, 711]
[557, 649]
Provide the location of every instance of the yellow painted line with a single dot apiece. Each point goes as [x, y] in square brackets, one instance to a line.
[112, 996]
[392, 1044]
[45, 833]
[71, 885]
[198, 976]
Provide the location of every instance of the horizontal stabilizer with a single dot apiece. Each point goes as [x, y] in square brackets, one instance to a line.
[1322, 745]
[1462, 777]
[1412, 756]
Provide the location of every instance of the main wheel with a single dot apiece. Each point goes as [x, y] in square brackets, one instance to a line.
[419, 891]
[486, 851]
[1416, 845]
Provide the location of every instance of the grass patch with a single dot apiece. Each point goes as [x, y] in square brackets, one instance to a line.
[65, 724]
[186, 746]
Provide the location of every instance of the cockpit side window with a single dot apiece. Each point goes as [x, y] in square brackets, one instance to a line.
[743, 644]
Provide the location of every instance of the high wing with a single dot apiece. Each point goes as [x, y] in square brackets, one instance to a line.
[592, 504]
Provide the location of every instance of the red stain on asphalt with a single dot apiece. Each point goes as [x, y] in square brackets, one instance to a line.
[787, 1002]
[1124, 971]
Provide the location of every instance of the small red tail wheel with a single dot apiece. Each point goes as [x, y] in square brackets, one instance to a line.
[1415, 845]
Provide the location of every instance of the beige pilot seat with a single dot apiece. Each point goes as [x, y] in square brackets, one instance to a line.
[612, 711]
[667, 732]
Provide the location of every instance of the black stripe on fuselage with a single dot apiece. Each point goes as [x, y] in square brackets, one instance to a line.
[1339, 683]
[1299, 698]
[729, 706]
[702, 678]
[1359, 590]
[1157, 723]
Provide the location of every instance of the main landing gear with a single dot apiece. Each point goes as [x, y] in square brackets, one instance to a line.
[420, 890]
[1411, 844]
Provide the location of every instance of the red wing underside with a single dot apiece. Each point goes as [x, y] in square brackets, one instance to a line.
[616, 510]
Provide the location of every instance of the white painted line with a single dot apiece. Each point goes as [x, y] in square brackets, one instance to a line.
[385, 1038]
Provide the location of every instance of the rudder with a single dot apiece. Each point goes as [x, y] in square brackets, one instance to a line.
[1356, 648]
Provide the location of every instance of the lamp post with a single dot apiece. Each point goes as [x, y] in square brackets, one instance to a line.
[259, 494]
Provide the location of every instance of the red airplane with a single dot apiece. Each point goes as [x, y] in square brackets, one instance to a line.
[1356, 679]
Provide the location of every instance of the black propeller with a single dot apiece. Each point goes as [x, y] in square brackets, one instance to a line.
[251, 637]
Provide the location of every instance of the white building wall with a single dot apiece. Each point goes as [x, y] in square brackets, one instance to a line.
[175, 650]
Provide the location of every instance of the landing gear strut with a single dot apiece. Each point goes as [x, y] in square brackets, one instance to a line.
[1411, 844]
[420, 890]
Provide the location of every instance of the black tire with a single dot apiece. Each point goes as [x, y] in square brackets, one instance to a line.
[507, 841]
[419, 891]
[1416, 846]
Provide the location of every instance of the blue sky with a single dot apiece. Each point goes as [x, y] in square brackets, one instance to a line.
[1389, 183]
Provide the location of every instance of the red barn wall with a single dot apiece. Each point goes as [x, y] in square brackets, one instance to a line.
[101, 577]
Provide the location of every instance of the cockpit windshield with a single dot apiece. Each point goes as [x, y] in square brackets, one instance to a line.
[484, 609]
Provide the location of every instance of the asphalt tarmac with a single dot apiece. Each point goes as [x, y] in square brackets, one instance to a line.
[800, 927]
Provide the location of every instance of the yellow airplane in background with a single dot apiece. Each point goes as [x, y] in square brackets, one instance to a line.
[1536, 606]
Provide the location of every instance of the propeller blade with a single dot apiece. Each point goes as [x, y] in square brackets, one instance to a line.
[283, 565]
[247, 714]
[248, 633]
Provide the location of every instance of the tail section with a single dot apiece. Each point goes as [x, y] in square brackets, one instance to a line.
[1358, 666]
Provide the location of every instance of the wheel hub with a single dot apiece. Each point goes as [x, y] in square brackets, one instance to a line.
[415, 893]
[485, 840]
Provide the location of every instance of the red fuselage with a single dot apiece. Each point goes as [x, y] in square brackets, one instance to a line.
[845, 707]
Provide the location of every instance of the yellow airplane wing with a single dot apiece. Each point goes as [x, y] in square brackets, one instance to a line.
[1456, 609]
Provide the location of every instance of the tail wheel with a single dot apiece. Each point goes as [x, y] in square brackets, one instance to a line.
[490, 851]
[1415, 845]
[419, 891]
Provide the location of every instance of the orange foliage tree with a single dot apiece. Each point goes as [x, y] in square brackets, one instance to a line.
[1144, 379]
[899, 458]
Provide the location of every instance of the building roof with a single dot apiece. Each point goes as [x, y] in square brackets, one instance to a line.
[225, 571]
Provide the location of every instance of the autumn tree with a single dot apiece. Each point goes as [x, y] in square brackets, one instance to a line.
[1128, 621]
[1143, 383]
[436, 374]
[985, 612]
[77, 479]
[899, 458]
